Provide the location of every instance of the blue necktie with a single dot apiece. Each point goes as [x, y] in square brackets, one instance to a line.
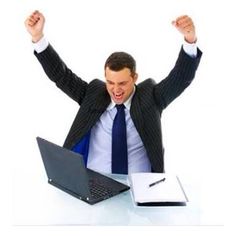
[119, 142]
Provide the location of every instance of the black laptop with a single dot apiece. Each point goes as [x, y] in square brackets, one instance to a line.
[66, 170]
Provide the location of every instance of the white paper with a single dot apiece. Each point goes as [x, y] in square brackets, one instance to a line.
[169, 190]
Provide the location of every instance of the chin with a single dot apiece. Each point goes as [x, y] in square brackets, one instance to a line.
[118, 101]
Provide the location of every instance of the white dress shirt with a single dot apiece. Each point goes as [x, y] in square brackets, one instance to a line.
[100, 146]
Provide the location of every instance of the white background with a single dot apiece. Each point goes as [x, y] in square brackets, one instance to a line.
[198, 127]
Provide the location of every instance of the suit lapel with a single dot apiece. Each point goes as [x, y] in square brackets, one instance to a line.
[136, 114]
[86, 118]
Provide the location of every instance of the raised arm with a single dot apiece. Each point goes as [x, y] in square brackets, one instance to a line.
[52, 64]
[185, 67]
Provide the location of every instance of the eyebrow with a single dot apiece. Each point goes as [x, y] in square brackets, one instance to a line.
[125, 81]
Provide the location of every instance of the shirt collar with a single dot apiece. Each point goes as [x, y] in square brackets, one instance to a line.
[127, 103]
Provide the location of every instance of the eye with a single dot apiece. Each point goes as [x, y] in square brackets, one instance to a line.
[110, 82]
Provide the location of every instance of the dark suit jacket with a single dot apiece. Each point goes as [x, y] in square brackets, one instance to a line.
[147, 104]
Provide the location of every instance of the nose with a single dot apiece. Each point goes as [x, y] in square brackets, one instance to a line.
[116, 88]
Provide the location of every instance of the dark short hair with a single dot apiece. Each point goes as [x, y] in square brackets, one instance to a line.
[119, 60]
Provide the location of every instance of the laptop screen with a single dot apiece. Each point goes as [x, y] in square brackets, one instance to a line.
[64, 167]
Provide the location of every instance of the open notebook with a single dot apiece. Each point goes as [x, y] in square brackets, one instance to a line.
[167, 192]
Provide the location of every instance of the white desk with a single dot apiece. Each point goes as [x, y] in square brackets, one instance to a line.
[37, 203]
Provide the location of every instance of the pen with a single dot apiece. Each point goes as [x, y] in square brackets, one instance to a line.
[157, 182]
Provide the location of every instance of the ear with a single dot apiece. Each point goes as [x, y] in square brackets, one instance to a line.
[135, 77]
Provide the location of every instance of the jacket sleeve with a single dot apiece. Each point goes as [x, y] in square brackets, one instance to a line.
[58, 72]
[178, 79]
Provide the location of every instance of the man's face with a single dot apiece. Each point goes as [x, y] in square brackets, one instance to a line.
[120, 84]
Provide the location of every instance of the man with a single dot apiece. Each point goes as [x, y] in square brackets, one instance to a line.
[118, 126]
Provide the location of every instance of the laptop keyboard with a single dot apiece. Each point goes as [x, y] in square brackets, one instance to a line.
[98, 190]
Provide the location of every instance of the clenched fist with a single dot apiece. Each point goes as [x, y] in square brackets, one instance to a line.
[186, 27]
[34, 25]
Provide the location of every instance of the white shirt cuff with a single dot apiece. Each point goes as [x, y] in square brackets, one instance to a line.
[41, 45]
[190, 49]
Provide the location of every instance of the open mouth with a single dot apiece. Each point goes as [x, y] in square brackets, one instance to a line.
[118, 96]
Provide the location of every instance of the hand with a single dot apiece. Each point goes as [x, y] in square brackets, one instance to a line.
[185, 26]
[34, 25]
